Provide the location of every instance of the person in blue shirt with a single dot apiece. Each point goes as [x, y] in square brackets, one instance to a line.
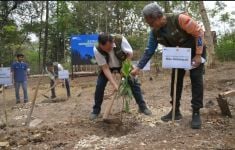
[19, 70]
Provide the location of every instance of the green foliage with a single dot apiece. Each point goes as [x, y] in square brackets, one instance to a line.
[31, 57]
[225, 49]
[67, 18]
[138, 42]
[124, 90]
[219, 6]
[67, 66]
[126, 68]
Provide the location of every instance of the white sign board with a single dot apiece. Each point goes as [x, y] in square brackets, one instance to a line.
[5, 76]
[146, 67]
[64, 74]
[175, 57]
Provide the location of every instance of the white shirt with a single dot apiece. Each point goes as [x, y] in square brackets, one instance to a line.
[52, 75]
[60, 67]
[113, 60]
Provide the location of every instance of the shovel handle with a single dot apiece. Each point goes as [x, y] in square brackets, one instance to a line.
[109, 107]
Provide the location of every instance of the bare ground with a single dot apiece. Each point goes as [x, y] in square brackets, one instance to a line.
[66, 125]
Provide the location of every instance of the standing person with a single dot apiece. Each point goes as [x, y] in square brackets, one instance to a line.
[19, 70]
[174, 30]
[53, 68]
[110, 52]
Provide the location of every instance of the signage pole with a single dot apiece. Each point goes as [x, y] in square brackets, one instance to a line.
[5, 106]
[28, 119]
[174, 96]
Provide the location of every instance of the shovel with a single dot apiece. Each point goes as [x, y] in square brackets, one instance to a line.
[108, 108]
[44, 94]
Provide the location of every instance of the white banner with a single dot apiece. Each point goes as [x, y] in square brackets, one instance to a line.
[5, 76]
[175, 57]
[64, 74]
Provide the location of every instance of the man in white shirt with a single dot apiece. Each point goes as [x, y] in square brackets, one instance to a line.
[110, 52]
[52, 70]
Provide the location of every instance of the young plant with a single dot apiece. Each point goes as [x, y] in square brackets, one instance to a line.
[124, 90]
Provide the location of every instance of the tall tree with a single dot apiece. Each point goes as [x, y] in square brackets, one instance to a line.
[208, 35]
[46, 35]
[40, 36]
[167, 6]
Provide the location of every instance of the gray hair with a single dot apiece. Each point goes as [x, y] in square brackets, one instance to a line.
[152, 10]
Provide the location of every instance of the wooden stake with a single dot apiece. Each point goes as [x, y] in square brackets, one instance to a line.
[110, 104]
[109, 107]
[5, 106]
[33, 102]
[174, 96]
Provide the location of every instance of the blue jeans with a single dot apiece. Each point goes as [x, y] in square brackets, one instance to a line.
[17, 90]
[100, 87]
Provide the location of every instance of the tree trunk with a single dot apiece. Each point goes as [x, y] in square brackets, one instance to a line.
[185, 6]
[117, 11]
[208, 35]
[167, 6]
[106, 18]
[46, 35]
[40, 39]
[55, 56]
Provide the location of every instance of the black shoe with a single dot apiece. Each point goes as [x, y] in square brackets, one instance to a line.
[93, 116]
[145, 111]
[168, 117]
[196, 120]
[17, 102]
[26, 101]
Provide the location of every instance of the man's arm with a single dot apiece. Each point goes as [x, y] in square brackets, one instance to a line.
[149, 51]
[108, 74]
[12, 72]
[27, 70]
[193, 28]
[51, 76]
[105, 68]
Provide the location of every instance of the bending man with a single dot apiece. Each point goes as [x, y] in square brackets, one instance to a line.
[109, 54]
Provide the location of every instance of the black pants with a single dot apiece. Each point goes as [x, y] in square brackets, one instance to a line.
[53, 89]
[196, 76]
[100, 87]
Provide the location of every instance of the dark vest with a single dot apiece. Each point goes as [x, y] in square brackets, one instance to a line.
[56, 70]
[172, 35]
[117, 50]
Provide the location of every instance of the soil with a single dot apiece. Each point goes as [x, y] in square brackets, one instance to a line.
[65, 124]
